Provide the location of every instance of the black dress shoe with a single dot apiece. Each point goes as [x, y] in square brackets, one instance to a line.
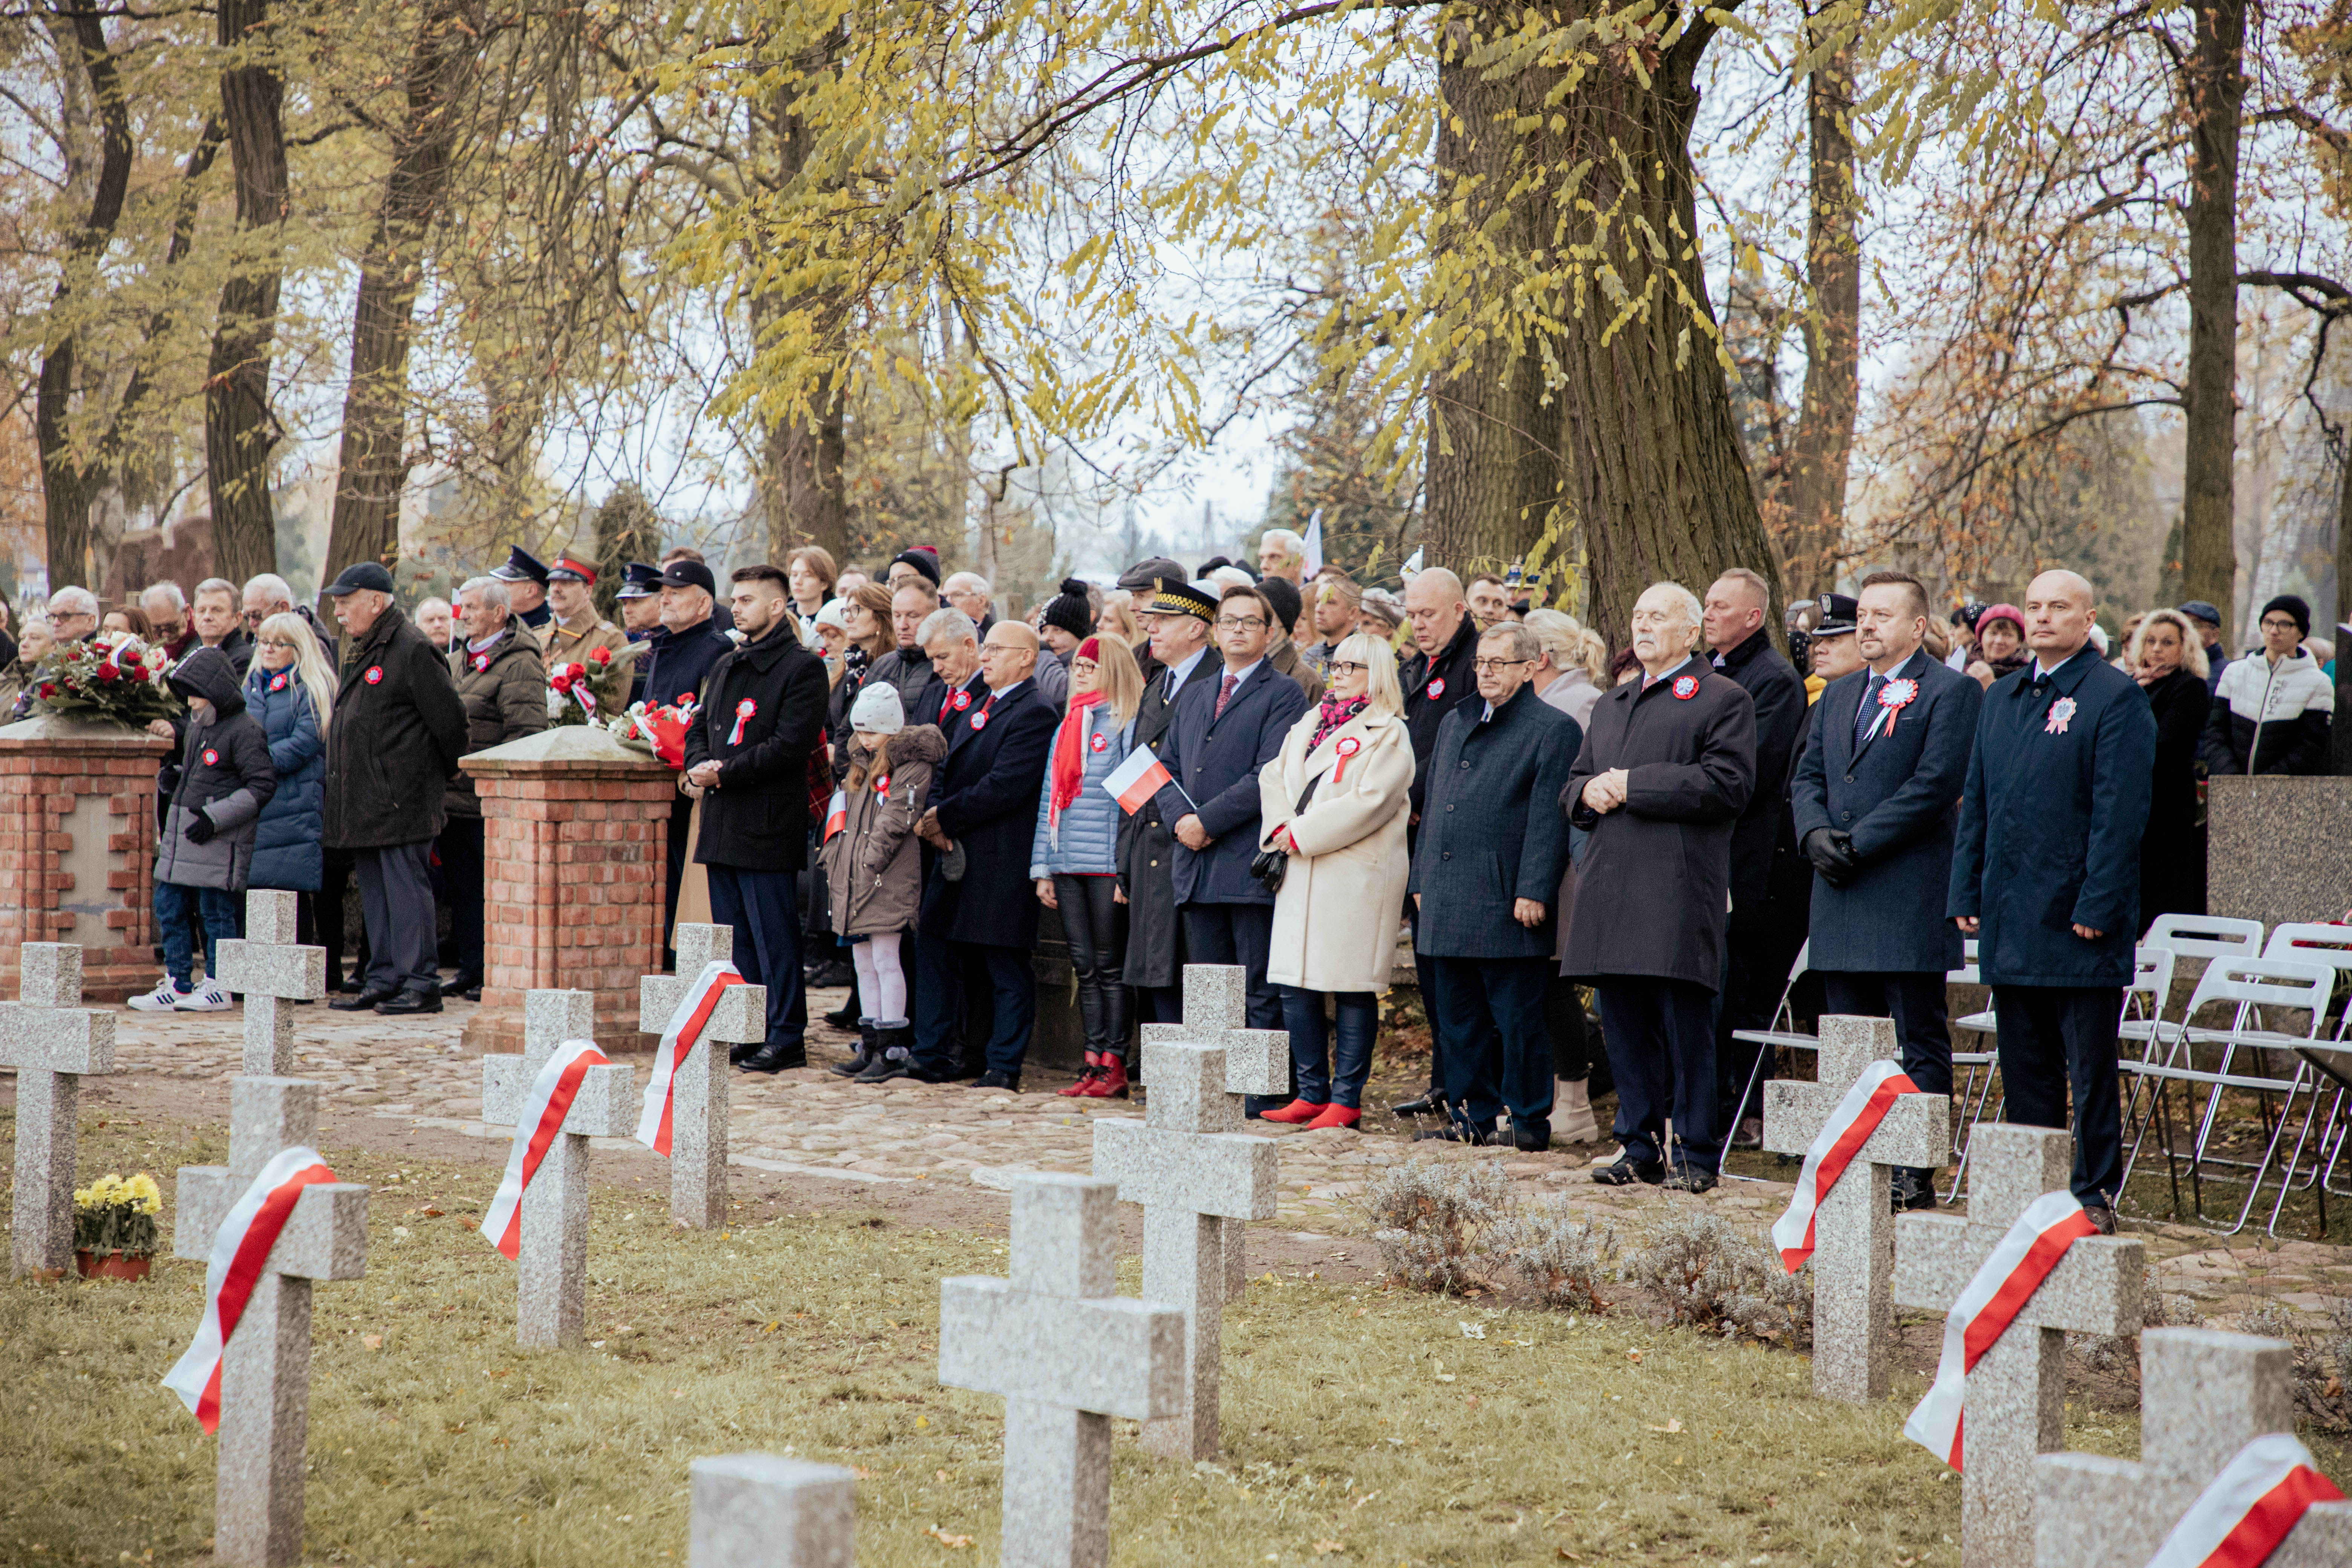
[844, 1016]
[1628, 1170]
[458, 984]
[775, 1059]
[832, 972]
[1008, 1081]
[1480, 1134]
[1430, 1104]
[1913, 1189]
[412, 999]
[1533, 1135]
[354, 986]
[1689, 1179]
[361, 1001]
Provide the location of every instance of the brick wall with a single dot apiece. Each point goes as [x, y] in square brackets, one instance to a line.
[46, 766]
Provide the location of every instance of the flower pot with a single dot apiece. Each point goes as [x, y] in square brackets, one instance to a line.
[112, 1265]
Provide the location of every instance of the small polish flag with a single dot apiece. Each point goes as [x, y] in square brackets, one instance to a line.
[1135, 781]
[1312, 545]
[837, 813]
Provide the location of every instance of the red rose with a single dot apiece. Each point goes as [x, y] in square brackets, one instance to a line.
[131, 660]
[47, 689]
[108, 672]
[602, 655]
[561, 680]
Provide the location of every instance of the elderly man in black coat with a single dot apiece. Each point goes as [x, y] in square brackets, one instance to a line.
[1178, 619]
[2045, 871]
[1668, 765]
[1875, 799]
[1486, 875]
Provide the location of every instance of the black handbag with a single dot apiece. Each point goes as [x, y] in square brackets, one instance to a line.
[1273, 865]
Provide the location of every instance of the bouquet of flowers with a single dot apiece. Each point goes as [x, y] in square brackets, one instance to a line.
[113, 1216]
[583, 691]
[117, 678]
[658, 729]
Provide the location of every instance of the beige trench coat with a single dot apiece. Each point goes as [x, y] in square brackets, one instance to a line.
[1335, 920]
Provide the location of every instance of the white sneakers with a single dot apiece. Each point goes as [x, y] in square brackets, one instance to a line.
[168, 998]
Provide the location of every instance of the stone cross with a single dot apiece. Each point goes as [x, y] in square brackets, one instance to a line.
[2017, 1395]
[1853, 1225]
[1068, 1354]
[1191, 1166]
[264, 1408]
[266, 968]
[2203, 1397]
[551, 1277]
[757, 1510]
[1257, 1061]
[51, 1040]
[698, 1151]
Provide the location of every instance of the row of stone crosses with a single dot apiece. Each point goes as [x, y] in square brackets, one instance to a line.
[2220, 1480]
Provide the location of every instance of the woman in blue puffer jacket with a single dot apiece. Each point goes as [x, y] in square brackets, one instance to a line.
[290, 691]
[1075, 861]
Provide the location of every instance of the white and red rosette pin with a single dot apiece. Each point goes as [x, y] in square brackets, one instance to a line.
[2062, 713]
[278, 681]
[1685, 687]
[1895, 696]
[1347, 747]
[960, 701]
[1435, 688]
[212, 758]
[374, 676]
[1100, 742]
[743, 712]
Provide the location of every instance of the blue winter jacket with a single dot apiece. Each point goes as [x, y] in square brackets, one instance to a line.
[286, 845]
[1089, 825]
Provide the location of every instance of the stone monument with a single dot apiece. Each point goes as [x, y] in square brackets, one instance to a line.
[757, 1510]
[271, 972]
[53, 1042]
[697, 1088]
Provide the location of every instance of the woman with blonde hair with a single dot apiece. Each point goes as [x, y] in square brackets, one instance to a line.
[1334, 799]
[290, 691]
[1574, 666]
[2166, 656]
[1117, 619]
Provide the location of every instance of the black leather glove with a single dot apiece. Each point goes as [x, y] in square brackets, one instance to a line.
[1832, 853]
[200, 829]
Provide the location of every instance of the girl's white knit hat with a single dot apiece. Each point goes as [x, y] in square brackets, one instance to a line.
[877, 711]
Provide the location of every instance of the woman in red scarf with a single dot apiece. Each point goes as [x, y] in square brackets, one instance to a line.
[1075, 861]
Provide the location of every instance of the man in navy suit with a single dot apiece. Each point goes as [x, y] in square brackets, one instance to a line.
[2045, 871]
[1875, 797]
[1224, 730]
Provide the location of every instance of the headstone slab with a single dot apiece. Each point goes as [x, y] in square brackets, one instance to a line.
[698, 1092]
[1228, 1175]
[699, 946]
[52, 975]
[1187, 1084]
[278, 971]
[52, 1041]
[549, 1018]
[271, 972]
[605, 1106]
[273, 917]
[759, 1511]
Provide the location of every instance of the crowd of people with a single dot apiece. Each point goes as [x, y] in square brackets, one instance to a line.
[886, 784]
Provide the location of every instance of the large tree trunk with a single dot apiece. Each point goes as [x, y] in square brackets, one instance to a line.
[372, 468]
[2340, 730]
[239, 429]
[2216, 92]
[801, 488]
[1815, 494]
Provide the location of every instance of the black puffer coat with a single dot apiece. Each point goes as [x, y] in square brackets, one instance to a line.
[398, 731]
[224, 773]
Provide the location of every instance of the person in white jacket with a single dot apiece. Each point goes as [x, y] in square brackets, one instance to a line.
[2273, 714]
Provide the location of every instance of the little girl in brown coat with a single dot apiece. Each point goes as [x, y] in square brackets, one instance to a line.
[874, 870]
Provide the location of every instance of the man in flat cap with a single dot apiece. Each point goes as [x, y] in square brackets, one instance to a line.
[525, 582]
[578, 631]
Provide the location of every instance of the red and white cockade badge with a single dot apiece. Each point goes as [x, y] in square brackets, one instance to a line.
[374, 674]
[278, 681]
[2061, 713]
[1894, 697]
[979, 720]
[1100, 742]
[240, 1251]
[882, 785]
[2250, 1508]
[481, 662]
[1435, 688]
[212, 758]
[743, 712]
[2020, 1261]
[680, 1035]
[960, 701]
[544, 1108]
[1347, 747]
[1685, 687]
[1833, 1148]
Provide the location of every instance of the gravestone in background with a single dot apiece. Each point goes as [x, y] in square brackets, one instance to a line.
[2278, 850]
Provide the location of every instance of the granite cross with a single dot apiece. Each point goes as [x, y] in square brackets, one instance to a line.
[1853, 1224]
[1068, 1354]
[1257, 1061]
[266, 968]
[52, 1041]
[551, 1287]
[2203, 1397]
[2016, 1399]
[1191, 1166]
[759, 1510]
[265, 1393]
[697, 1154]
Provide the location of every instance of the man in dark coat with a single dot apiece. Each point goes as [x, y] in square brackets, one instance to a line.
[980, 907]
[1668, 765]
[675, 665]
[1230, 722]
[1178, 616]
[1763, 935]
[748, 752]
[1486, 876]
[502, 681]
[2045, 872]
[1884, 761]
[1437, 679]
[398, 733]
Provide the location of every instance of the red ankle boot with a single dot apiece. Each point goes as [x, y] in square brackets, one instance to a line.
[1296, 1111]
[1094, 1065]
[1109, 1080]
[1334, 1115]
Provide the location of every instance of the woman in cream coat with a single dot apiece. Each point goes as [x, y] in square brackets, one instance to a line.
[1334, 921]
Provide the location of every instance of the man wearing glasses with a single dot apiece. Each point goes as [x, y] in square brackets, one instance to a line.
[2271, 715]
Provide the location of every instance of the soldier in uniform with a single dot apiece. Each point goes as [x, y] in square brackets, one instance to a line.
[577, 630]
[1177, 617]
[525, 582]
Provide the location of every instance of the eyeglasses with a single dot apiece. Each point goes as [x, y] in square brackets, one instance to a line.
[1486, 666]
[1079, 664]
[1239, 623]
[2279, 624]
[279, 642]
[1345, 666]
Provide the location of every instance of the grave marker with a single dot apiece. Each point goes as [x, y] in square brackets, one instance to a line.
[52, 1041]
[1853, 1222]
[759, 1511]
[551, 1274]
[1068, 1354]
[271, 972]
[697, 1152]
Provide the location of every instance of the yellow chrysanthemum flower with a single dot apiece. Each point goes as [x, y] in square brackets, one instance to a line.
[105, 1191]
[81, 1197]
[142, 1187]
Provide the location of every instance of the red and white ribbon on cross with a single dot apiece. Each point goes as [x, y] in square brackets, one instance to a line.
[240, 1252]
[680, 1035]
[2020, 1261]
[2249, 1510]
[543, 1110]
[1833, 1148]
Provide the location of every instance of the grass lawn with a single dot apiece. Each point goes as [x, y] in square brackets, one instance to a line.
[1360, 1425]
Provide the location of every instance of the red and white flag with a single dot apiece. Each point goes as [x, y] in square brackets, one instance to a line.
[2249, 1510]
[240, 1251]
[2020, 1261]
[1857, 1116]
[1134, 782]
[543, 1110]
[680, 1035]
[837, 813]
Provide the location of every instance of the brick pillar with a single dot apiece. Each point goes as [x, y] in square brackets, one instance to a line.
[575, 841]
[77, 849]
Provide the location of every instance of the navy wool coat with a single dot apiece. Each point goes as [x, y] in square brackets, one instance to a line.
[1779, 698]
[2050, 826]
[1899, 796]
[1492, 830]
[286, 852]
[1217, 758]
[986, 796]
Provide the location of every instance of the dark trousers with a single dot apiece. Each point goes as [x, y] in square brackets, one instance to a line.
[1756, 971]
[1661, 1039]
[764, 909]
[1321, 1075]
[2054, 1036]
[397, 902]
[1916, 1001]
[1235, 933]
[1571, 1052]
[1094, 924]
[1013, 989]
[682, 821]
[461, 870]
[1497, 1051]
[1424, 974]
[335, 867]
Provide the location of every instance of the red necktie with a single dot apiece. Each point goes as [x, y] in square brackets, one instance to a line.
[1225, 695]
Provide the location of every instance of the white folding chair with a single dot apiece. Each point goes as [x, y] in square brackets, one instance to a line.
[1783, 1032]
[2245, 986]
[2206, 937]
[2143, 1025]
[2330, 1060]
[1975, 1089]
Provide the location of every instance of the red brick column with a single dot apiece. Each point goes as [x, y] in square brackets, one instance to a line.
[575, 844]
[50, 889]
